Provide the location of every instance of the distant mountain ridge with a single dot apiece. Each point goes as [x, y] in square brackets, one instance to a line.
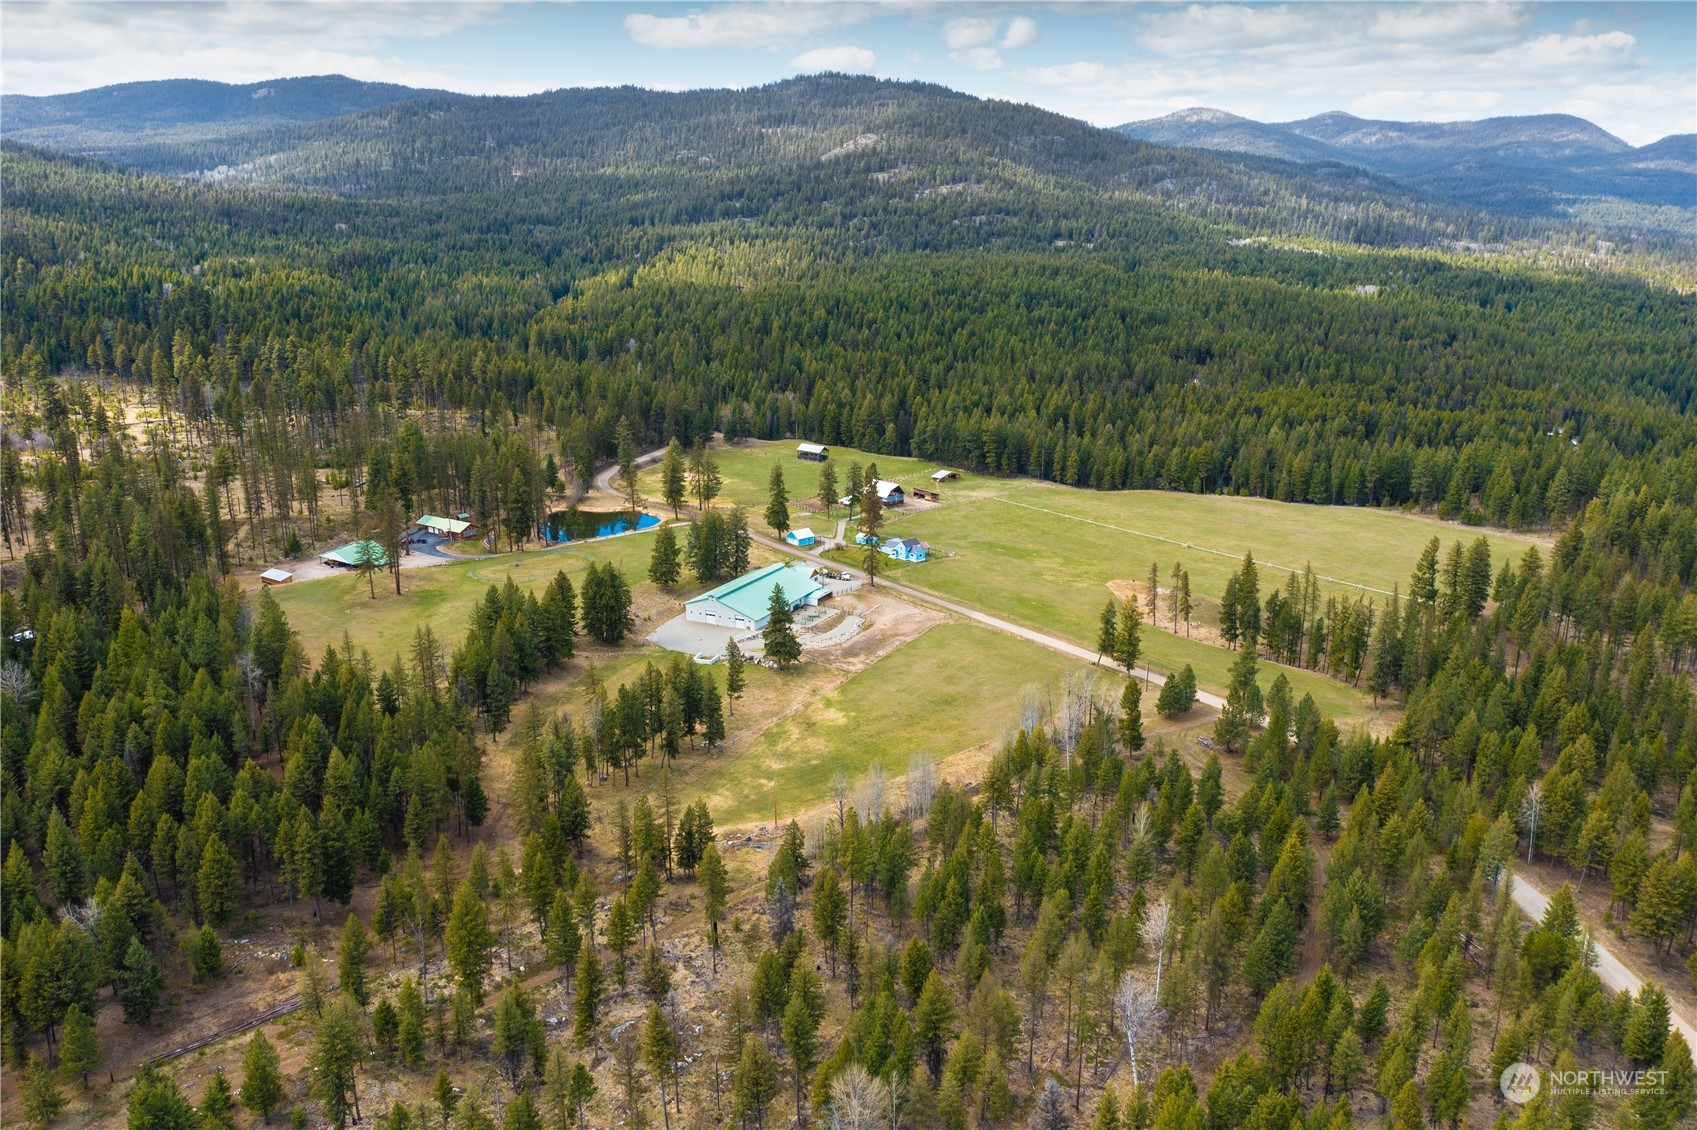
[738, 154]
[1540, 160]
[89, 120]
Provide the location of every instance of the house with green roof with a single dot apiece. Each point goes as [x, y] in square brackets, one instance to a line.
[456, 528]
[746, 602]
[355, 554]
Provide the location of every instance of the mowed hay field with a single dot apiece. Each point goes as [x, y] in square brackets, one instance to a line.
[441, 596]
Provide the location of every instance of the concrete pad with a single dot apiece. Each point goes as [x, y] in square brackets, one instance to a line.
[685, 635]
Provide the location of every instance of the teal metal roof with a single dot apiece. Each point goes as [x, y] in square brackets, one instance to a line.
[750, 595]
[357, 552]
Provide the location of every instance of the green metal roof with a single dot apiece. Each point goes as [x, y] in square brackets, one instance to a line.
[446, 525]
[355, 553]
[750, 595]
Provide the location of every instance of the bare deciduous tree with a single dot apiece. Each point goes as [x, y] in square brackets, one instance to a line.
[1531, 805]
[858, 1101]
[1156, 928]
[921, 785]
[1140, 1015]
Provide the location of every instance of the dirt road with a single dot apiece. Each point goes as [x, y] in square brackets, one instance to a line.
[1610, 970]
[1053, 643]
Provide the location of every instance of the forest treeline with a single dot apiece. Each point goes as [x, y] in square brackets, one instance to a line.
[1189, 364]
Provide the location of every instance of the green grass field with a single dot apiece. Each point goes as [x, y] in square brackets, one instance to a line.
[442, 596]
[1043, 554]
[953, 688]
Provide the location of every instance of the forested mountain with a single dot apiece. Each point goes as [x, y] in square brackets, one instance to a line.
[1549, 164]
[828, 151]
[93, 122]
[457, 303]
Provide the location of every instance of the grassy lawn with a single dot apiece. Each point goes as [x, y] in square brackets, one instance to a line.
[951, 689]
[442, 596]
[1064, 536]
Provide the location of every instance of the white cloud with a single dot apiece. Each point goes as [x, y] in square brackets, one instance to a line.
[978, 58]
[1638, 112]
[844, 58]
[969, 31]
[751, 25]
[1022, 32]
[1062, 74]
[60, 45]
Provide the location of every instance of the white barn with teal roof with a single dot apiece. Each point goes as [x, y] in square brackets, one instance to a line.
[745, 602]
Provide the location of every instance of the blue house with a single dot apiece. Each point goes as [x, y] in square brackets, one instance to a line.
[864, 538]
[801, 537]
[904, 549]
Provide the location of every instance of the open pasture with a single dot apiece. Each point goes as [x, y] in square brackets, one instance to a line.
[441, 596]
[952, 689]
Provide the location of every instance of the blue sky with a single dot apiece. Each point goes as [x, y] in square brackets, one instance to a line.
[1628, 67]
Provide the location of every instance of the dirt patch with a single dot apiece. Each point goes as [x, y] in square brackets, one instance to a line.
[890, 622]
[1139, 591]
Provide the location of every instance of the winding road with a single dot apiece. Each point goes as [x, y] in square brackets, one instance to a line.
[1610, 970]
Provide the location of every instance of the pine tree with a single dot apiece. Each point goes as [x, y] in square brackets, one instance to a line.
[215, 884]
[829, 913]
[754, 1083]
[156, 1103]
[207, 957]
[1647, 1032]
[79, 1046]
[519, 1037]
[803, 1014]
[1243, 699]
[779, 637]
[827, 487]
[664, 564]
[1153, 596]
[1660, 913]
[40, 1094]
[660, 1051]
[1184, 607]
[735, 677]
[591, 987]
[715, 891]
[777, 501]
[217, 1102]
[1178, 693]
[1128, 635]
[409, 1028]
[1384, 667]
[934, 1022]
[262, 1077]
[672, 487]
[467, 939]
[1670, 1104]
[1131, 716]
[138, 984]
[334, 1059]
[1107, 629]
[67, 873]
[350, 958]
